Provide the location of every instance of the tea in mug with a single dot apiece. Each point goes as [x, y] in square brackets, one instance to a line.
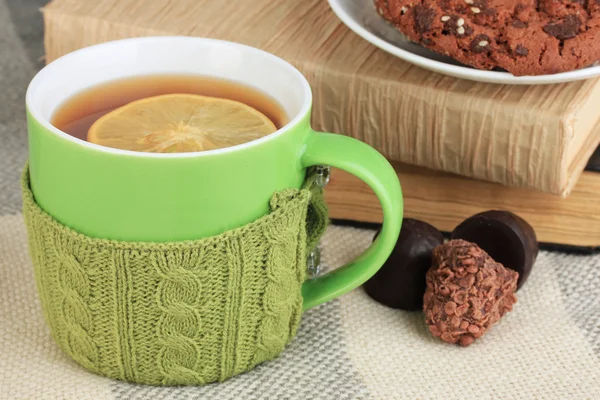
[169, 114]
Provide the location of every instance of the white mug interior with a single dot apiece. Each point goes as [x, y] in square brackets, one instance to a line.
[167, 55]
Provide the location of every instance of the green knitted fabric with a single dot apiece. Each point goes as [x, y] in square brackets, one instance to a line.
[177, 313]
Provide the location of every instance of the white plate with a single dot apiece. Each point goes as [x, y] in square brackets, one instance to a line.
[362, 18]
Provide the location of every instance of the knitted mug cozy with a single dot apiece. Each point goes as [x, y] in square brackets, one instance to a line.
[180, 313]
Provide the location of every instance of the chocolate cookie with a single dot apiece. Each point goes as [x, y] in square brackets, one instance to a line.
[522, 37]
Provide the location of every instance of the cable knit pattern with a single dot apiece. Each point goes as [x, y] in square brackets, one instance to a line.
[74, 308]
[282, 248]
[177, 313]
[180, 324]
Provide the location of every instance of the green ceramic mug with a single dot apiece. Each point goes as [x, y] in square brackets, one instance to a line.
[123, 195]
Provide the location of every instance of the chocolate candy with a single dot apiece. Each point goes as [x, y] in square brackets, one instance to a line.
[400, 283]
[594, 162]
[505, 236]
[467, 292]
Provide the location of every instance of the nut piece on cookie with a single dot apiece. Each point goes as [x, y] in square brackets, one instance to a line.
[467, 292]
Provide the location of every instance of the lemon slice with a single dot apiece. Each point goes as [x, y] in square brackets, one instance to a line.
[179, 123]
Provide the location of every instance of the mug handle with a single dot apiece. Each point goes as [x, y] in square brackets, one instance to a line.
[366, 163]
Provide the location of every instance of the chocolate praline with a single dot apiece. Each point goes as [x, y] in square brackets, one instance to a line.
[400, 283]
[505, 236]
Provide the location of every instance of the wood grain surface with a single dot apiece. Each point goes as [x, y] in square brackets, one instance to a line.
[445, 200]
[530, 136]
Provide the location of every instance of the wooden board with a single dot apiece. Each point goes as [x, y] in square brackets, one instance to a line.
[530, 136]
[445, 200]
